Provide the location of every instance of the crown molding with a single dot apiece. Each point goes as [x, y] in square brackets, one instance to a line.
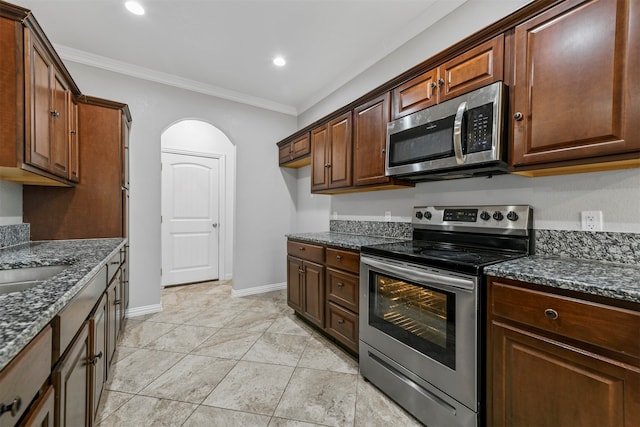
[93, 60]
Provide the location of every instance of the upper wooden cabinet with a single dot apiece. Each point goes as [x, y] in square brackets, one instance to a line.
[36, 104]
[332, 154]
[479, 66]
[575, 99]
[295, 153]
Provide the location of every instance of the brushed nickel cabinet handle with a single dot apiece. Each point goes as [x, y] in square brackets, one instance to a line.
[55, 113]
[338, 258]
[12, 407]
[440, 81]
[339, 284]
[518, 116]
[434, 85]
[551, 314]
[340, 321]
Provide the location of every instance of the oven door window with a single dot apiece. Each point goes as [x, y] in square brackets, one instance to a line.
[417, 315]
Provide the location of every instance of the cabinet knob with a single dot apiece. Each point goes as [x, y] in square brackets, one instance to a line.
[434, 85]
[94, 360]
[440, 81]
[340, 321]
[338, 258]
[551, 314]
[327, 165]
[117, 302]
[12, 407]
[55, 113]
[518, 116]
[301, 271]
[384, 151]
[72, 132]
[339, 284]
[301, 248]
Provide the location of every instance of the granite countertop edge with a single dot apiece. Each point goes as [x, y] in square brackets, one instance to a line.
[605, 279]
[39, 305]
[342, 240]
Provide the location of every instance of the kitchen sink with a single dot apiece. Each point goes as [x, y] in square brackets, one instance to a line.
[19, 279]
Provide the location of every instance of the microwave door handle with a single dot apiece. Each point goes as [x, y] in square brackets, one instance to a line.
[457, 133]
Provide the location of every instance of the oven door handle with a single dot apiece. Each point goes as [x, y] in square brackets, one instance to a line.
[461, 158]
[414, 274]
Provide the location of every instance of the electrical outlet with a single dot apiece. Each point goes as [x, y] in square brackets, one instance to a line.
[387, 216]
[334, 215]
[591, 220]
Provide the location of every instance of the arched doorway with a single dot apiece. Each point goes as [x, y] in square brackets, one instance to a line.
[198, 199]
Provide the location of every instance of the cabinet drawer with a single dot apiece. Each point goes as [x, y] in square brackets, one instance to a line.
[112, 266]
[342, 288]
[344, 260]
[342, 325]
[601, 325]
[25, 375]
[306, 251]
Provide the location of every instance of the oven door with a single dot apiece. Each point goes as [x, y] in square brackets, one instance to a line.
[425, 320]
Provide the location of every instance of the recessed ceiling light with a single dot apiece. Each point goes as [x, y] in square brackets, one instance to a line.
[279, 61]
[134, 7]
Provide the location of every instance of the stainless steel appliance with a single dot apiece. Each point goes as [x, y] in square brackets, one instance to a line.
[421, 317]
[458, 138]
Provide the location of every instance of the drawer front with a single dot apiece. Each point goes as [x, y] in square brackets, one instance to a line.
[306, 251]
[601, 325]
[344, 260]
[112, 266]
[342, 325]
[342, 288]
[21, 379]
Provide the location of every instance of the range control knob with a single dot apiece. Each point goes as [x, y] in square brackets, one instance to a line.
[484, 215]
[427, 215]
[419, 215]
[512, 216]
[497, 215]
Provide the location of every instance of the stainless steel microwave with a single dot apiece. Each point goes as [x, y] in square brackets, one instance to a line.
[458, 138]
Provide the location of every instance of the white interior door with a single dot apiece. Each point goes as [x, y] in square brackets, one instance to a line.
[190, 216]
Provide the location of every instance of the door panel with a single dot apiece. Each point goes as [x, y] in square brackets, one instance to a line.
[190, 217]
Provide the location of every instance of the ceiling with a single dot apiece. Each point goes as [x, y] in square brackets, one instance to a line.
[225, 47]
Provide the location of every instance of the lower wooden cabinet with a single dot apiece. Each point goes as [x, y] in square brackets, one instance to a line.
[72, 381]
[99, 331]
[542, 372]
[324, 289]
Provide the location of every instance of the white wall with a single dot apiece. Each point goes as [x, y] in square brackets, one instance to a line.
[265, 202]
[199, 137]
[10, 203]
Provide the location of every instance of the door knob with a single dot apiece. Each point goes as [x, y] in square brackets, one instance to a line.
[214, 225]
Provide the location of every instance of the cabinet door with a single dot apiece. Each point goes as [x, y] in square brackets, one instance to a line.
[295, 293]
[72, 379]
[98, 330]
[319, 158]
[38, 103]
[576, 76]
[112, 318]
[314, 292]
[480, 66]
[74, 141]
[43, 411]
[300, 147]
[341, 152]
[285, 153]
[416, 94]
[60, 112]
[370, 137]
[540, 382]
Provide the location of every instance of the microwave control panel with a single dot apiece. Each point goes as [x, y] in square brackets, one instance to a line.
[479, 128]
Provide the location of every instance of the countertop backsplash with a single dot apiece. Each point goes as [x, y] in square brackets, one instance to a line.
[15, 234]
[623, 248]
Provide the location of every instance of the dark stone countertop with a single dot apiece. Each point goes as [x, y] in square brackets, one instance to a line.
[341, 240]
[607, 279]
[24, 313]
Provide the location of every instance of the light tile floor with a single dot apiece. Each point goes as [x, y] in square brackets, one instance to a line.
[212, 360]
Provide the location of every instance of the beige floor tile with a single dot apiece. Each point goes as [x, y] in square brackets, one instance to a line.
[321, 397]
[279, 349]
[228, 344]
[174, 314]
[149, 411]
[209, 416]
[290, 325]
[123, 352]
[214, 317]
[270, 306]
[191, 379]
[182, 339]
[138, 370]
[322, 354]
[253, 321]
[281, 422]
[251, 387]
[374, 409]
[143, 333]
[110, 401]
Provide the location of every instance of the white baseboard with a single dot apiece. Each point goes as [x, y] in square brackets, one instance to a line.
[258, 289]
[145, 309]
[228, 276]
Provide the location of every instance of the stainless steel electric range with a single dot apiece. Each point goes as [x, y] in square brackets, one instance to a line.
[421, 317]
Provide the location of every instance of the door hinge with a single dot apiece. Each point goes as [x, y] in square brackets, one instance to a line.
[160, 271]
